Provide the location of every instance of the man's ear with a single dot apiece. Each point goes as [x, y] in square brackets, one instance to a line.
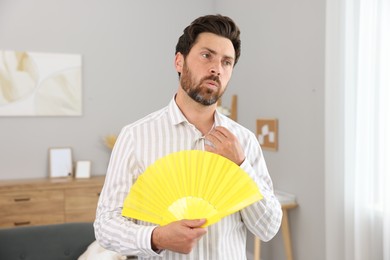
[179, 61]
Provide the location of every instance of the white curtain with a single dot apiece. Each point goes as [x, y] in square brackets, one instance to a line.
[364, 76]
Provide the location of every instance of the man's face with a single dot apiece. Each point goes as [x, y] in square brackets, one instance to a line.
[207, 68]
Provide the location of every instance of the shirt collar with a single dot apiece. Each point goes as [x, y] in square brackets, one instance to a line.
[175, 113]
[177, 117]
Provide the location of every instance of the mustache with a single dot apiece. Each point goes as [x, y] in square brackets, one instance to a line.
[213, 78]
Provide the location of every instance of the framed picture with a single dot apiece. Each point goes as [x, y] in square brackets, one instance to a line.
[267, 133]
[60, 162]
[83, 169]
[40, 84]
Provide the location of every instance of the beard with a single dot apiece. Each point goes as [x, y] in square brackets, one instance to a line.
[202, 95]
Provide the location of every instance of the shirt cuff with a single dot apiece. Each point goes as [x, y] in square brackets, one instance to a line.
[246, 166]
[144, 241]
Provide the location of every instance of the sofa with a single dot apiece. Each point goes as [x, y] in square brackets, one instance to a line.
[51, 242]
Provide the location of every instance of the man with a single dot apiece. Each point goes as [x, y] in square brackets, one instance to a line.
[205, 56]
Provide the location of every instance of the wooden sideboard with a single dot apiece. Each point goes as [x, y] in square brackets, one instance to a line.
[49, 201]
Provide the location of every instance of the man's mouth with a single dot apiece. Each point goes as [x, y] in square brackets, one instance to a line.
[212, 82]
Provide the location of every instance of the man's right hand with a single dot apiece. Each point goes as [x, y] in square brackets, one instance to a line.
[179, 236]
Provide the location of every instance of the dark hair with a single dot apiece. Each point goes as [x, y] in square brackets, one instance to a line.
[216, 24]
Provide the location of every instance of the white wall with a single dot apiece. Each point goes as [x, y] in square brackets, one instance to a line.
[128, 49]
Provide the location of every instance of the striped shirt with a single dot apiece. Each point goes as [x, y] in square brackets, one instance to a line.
[156, 135]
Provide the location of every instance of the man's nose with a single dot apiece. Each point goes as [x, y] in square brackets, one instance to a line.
[216, 68]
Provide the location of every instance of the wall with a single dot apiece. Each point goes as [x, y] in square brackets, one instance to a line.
[281, 74]
[127, 49]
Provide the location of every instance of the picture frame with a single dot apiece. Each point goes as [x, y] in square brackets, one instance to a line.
[267, 133]
[60, 162]
[83, 169]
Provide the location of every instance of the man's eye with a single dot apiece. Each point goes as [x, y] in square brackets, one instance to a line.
[206, 55]
[228, 63]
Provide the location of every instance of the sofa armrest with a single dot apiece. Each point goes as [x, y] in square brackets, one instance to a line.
[59, 241]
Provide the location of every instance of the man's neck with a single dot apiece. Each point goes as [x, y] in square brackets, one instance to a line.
[202, 117]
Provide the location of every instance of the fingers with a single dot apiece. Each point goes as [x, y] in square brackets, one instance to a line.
[217, 136]
[179, 236]
[196, 227]
[224, 131]
[194, 223]
[221, 141]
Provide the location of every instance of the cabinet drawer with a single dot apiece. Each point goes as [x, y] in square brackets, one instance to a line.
[32, 219]
[82, 199]
[80, 216]
[26, 202]
[80, 204]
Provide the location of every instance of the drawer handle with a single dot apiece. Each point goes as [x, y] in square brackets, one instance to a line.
[22, 199]
[22, 223]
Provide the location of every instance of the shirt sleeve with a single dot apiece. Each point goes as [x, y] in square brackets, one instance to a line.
[112, 230]
[262, 218]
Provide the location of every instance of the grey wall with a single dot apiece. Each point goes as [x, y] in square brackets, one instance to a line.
[281, 74]
[127, 49]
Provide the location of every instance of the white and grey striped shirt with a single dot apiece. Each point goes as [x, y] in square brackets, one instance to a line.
[156, 135]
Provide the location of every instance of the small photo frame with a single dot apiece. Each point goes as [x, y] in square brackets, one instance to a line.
[60, 162]
[267, 133]
[83, 169]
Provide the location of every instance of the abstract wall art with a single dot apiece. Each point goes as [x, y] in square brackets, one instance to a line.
[267, 133]
[40, 84]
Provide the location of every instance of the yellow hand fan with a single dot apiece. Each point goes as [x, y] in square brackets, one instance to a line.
[190, 184]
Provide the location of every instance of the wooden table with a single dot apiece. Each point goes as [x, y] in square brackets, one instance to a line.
[285, 232]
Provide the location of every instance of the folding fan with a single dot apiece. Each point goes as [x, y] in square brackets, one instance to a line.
[190, 184]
